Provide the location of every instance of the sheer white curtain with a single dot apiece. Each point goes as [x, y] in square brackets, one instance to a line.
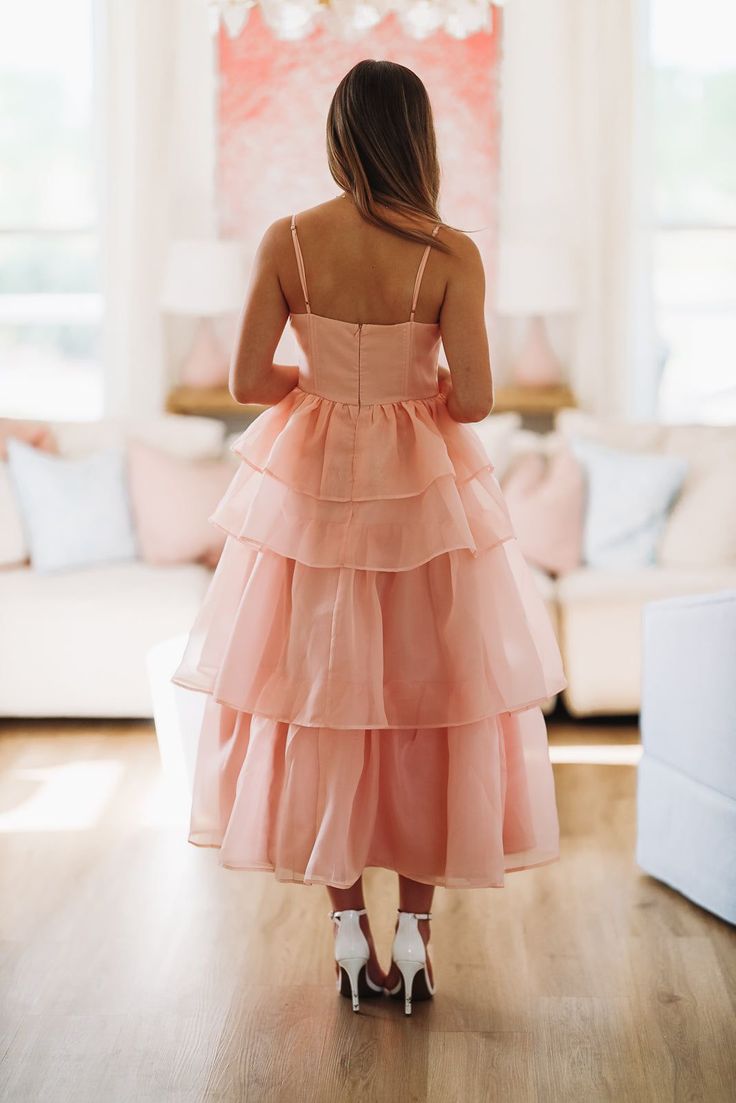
[157, 83]
[575, 172]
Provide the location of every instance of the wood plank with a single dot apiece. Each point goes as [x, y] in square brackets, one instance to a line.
[134, 968]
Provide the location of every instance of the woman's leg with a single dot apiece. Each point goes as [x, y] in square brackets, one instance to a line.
[346, 899]
[414, 896]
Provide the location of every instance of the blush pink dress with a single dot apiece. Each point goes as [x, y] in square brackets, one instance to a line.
[373, 645]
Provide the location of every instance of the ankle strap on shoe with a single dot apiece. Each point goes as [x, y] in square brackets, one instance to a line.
[338, 914]
[417, 915]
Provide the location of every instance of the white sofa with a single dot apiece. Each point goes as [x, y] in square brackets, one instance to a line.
[600, 611]
[75, 643]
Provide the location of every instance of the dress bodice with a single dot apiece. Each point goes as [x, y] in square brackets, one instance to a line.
[365, 363]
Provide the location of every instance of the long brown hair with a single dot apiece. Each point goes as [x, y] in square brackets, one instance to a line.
[381, 146]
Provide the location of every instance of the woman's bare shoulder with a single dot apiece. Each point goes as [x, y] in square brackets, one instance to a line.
[279, 231]
[320, 211]
[464, 252]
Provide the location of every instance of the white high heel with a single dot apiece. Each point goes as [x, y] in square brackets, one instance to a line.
[352, 953]
[410, 955]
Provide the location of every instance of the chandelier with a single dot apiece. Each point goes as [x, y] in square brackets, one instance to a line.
[349, 19]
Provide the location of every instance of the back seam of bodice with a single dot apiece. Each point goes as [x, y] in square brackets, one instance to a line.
[373, 363]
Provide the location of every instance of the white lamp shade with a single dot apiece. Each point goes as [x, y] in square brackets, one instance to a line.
[204, 278]
[536, 277]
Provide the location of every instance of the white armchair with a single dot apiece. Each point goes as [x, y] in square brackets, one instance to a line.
[178, 714]
[686, 794]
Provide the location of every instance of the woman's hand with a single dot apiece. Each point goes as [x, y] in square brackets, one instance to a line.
[444, 381]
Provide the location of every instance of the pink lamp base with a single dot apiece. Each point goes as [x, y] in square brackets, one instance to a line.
[537, 365]
[207, 363]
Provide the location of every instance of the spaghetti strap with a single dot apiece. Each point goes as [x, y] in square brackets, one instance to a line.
[300, 262]
[420, 273]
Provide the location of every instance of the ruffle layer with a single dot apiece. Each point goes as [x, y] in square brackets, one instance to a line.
[349, 453]
[385, 534]
[456, 807]
[453, 641]
[381, 487]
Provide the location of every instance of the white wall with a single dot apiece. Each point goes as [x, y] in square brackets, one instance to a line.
[574, 130]
[158, 162]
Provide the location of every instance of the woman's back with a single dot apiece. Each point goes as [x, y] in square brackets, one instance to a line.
[357, 272]
[361, 361]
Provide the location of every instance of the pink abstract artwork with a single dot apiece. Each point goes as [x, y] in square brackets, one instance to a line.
[273, 102]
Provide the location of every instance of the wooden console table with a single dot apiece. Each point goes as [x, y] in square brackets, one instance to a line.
[209, 402]
[537, 405]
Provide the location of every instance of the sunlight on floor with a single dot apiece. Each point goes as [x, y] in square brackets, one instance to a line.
[597, 754]
[67, 797]
[75, 796]
[166, 804]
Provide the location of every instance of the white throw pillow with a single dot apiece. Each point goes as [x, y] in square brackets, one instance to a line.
[701, 528]
[75, 513]
[628, 497]
[196, 438]
[13, 546]
[496, 434]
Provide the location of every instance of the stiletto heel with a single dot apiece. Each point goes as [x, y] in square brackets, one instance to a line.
[352, 953]
[352, 966]
[409, 954]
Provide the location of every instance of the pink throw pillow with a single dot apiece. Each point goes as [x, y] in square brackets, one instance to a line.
[172, 499]
[35, 433]
[546, 500]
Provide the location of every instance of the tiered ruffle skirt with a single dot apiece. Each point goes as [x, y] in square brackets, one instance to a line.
[375, 652]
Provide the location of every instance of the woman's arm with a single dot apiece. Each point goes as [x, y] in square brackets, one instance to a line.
[464, 338]
[253, 375]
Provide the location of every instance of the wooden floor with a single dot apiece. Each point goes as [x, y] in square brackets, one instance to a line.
[134, 968]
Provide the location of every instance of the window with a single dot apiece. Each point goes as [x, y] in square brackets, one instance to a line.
[694, 58]
[50, 301]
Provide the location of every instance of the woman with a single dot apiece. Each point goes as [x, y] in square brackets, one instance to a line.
[373, 645]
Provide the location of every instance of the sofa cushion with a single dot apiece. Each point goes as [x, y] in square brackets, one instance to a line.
[75, 513]
[525, 441]
[13, 543]
[600, 615]
[628, 496]
[640, 585]
[700, 530]
[545, 497]
[179, 435]
[172, 499]
[74, 643]
[496, 434]
[37, 433]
